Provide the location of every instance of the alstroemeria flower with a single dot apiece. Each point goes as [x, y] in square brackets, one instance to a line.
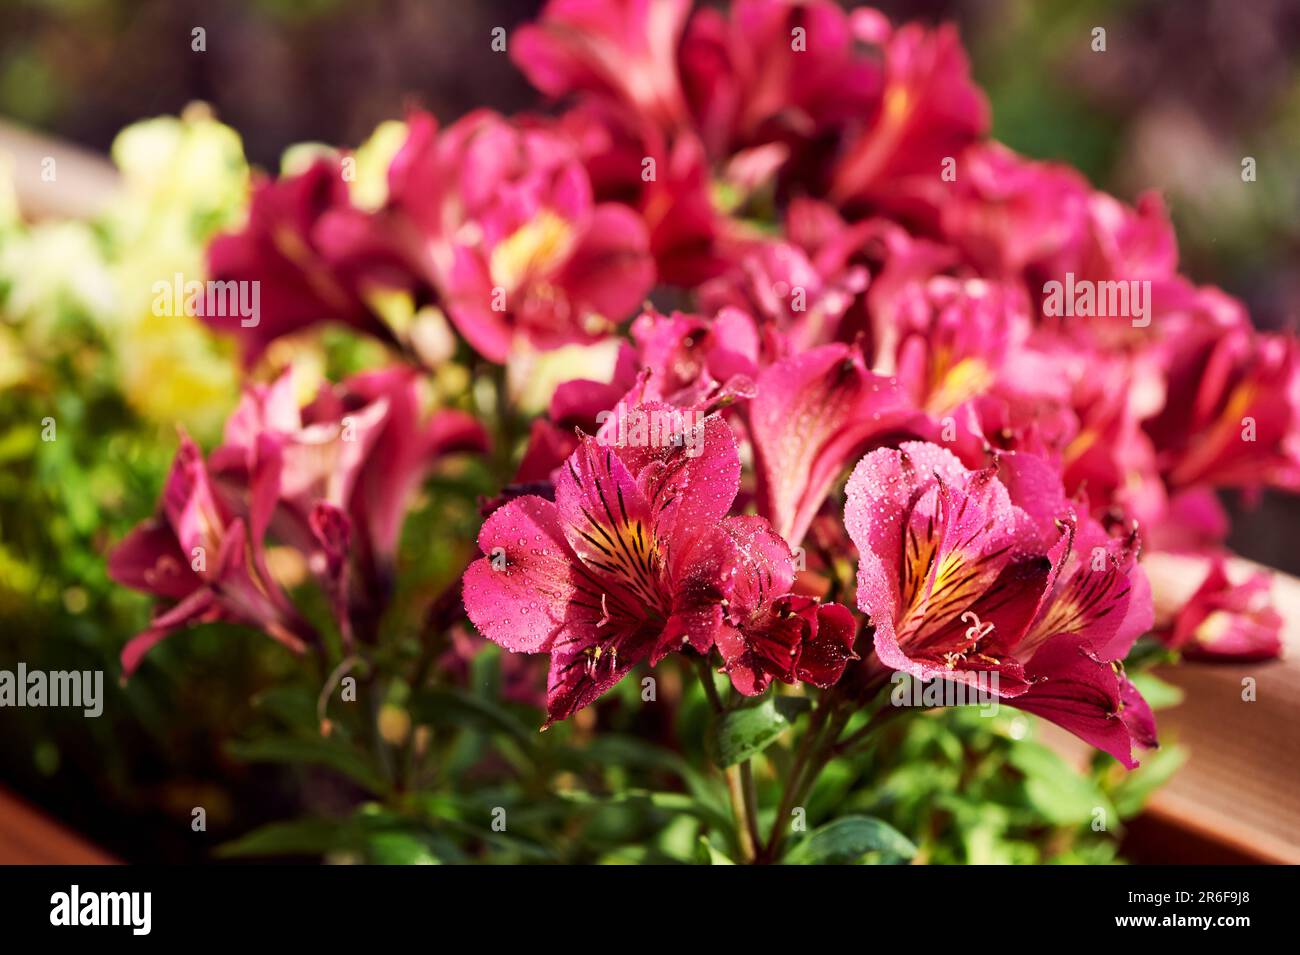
[306, 272]
[769, 631]
[1193, 520]
[929, 109]
[812, 414]
[683, 360]
[343, 471]
[952, 338]
[1110, 457]
[624, 51]
[779, 282]
[509, 233]
[666, 178]
[968, 574]
[628, 563]
[636, 558]
[1232, 412]
[692, 359]
[1128, 242]
[205, 562]
[1011, 216]
[1227, 621]
[775, 71]
[1131, 246]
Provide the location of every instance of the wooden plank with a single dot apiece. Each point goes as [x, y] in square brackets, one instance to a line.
[27, 837]
[1240, 786]
[83, 181]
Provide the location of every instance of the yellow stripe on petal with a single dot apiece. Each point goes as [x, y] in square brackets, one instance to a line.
[533, 249]
[966, 379]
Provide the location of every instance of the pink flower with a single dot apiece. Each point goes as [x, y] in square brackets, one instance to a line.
[1193, 520]
[1011, 216]
[1126, 242]
[1225, 621]
[966, 573]
[812, 415]
[206, 563]
[951, 339]
[666, 178]
[1232, 412]
[636, 558]
[693, 360]
[313, 256]
[341, 474]
[769, 631]
[779, 282]
[628, 563]
[775, 71]
[929, 110]
[508, 232]
[1110, 457]
[624, 51]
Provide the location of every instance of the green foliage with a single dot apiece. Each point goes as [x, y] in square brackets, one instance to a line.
[853, 839]
[747, 732]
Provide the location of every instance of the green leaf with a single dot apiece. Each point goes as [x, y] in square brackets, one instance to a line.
[1054, 788]
[745, 733]
[1159, 694]
[323, 752]
[1136, 786]
[628, 751]
[792, 707]
[707, 854]
[457, 707]
[671, 803]
[846, 841]
[400, 848]
[301, 837]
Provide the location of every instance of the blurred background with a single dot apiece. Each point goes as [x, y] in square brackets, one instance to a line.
[1183, 92]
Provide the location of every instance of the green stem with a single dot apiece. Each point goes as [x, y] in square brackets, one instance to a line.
[750, 793]
[710, 689]
[804, 752]
[877, 720]
[740, 786]
[740, 778]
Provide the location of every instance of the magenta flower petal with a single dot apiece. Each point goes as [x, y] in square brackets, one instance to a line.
[770, 632]
[150, 559]
[610, 270]
[960, 579]
[953, 592]
[1089, 697]
[582, 669]
[1227, 621]
[622, 50]
[829, 649]
[519, 594]
[302, 279]
[693, 479]
[812, 415]
[929, 109]
[630, 562]
[499, 217]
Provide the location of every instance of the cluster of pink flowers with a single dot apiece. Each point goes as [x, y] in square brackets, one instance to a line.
[332, 481]
[1027, 393]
